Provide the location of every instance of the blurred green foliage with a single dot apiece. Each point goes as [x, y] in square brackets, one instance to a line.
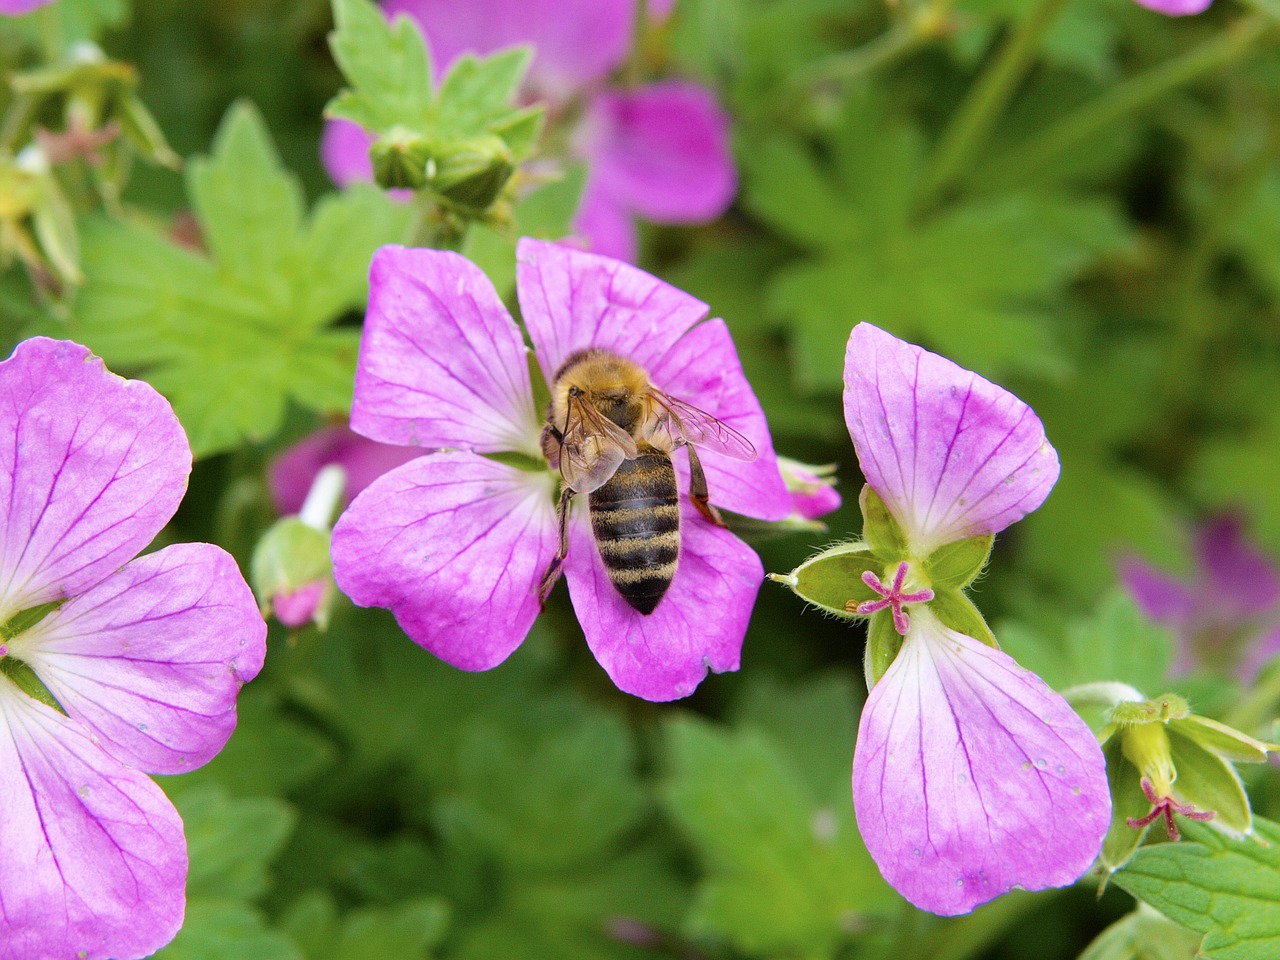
[1080, 200]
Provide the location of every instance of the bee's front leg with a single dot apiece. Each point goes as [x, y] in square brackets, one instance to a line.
[551, 440]
[698, 489]
[553, 570]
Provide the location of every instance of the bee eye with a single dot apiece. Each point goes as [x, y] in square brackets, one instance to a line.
[575, 391]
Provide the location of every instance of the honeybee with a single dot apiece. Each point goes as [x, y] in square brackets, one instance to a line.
[611, 434]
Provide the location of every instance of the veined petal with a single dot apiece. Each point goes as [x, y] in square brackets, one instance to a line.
[972, 777]
[572, 300]
[703, 369]
[455, 545]
[344, 150]
[442, 363]
[92, 466]
[952, 455]
[576, 42]
[292, 473]
[697, 627]
[95, 862]
[603, 225]
[151, 659]
[661, 151]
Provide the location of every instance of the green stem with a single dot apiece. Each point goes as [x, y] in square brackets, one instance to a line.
[987, 99]
[1028, 160]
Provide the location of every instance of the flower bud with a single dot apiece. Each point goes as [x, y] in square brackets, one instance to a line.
[400, 159]
[470, 174]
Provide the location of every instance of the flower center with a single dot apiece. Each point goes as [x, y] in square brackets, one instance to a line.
[1166, 806]
[892, 596]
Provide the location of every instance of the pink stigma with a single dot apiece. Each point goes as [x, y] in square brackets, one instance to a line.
[1167, 806]
[892, 596]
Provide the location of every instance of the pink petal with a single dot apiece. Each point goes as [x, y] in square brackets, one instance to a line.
[577, 42]
[661, 151]
[572, 300]
[292, 473]
[603, 225]
[14, 8]
[1264, 648]
[442, 363]
[151, 659]
[698, 626]
[95, 863]
[1240, 582]
[702, 368]
[344, 149]
[1159, 596]
[91, 467]
[455, 545]
[1177, 8]
[817, 504]
[971, 777]
[952, 455]
[298, 607]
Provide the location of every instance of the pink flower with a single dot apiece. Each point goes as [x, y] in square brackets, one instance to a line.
[1227, 614]
[363, 461]
[970, 775]
[658, 151]
[144, 657]
[1177, 8]
[15, 8]
[456, 543]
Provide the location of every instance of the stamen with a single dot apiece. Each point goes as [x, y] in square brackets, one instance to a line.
[1167, 807]
[893, 597]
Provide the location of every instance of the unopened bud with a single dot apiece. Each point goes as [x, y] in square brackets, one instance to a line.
[471, 173]
[400, 159]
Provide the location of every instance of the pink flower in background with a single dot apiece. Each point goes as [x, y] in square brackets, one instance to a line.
[15, 8]
[970, 775]
[813, 489]
[658, 151]
[144, 656]
[363, 461]
[1177, 8]
[456, 543]
[1226, 615]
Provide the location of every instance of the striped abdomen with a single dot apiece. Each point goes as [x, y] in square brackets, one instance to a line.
[635, 517]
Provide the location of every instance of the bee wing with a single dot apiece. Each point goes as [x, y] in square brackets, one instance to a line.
[593, 447]
[685, 423]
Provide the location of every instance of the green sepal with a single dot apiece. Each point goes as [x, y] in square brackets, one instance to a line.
[289, 556]
[958, 564]
[1209, 782]
[883, 644]
[1166, 707]
[833, 578]
[27, 681]
[143, 131]
[1127, 800]
[879, 529]
[521, 130]
[24, 620]
[957, 611]
[399, 159]
[1220, 739]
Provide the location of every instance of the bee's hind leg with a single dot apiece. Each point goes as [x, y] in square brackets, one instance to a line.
[553, 570]
[698, 489]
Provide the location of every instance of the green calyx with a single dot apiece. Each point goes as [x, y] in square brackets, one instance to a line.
[13, 667]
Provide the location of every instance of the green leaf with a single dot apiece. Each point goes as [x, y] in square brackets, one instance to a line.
[1144, 935]
[403, 932]
[833, 578]
[230, 840]
[218, 929]
[1226, 889]
[386, 64]
[802, 880]
[231, 337]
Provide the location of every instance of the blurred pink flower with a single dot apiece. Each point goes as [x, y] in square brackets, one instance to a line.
[658, 151]
[1177, 8]
[1226, 615]
[290, 475]
[15, 8]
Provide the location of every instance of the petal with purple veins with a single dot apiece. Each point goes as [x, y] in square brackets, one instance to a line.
[95, 862]
[661, 151]
[455, 546]
[442, 363]
[573, 300]
[697, 627]
[703, 369]
[972, 777]
[151, 659]
[92, 466]
[952, 455]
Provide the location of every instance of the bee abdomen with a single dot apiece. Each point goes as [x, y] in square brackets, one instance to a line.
[636, 521]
